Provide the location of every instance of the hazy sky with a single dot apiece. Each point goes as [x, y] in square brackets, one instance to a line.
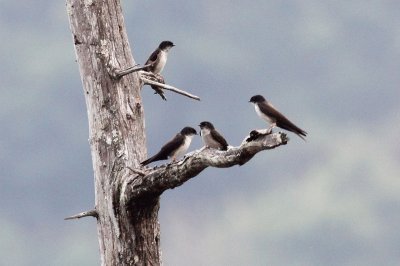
[331, 67]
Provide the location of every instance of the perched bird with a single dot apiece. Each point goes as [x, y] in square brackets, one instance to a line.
[211, 137]
[266, 111]
[175, 148]
[255, 134]
[158, 59]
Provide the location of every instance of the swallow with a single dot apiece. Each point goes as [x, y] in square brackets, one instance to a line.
[267, 112]
[211, 136]
[175, 148]
[157, 61]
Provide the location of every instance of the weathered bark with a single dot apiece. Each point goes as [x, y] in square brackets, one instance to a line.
[127, 195]
[116, 132]
[154, 181]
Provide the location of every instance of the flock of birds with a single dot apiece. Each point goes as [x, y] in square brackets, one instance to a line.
[178, 146]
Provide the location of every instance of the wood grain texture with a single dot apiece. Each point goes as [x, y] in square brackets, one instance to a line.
[128, 235]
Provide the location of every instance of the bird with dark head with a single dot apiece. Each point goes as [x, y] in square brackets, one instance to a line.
[158, 58]
[270, 114]
[175, 148]
[157, 61]
[211, 136]
[166, 45]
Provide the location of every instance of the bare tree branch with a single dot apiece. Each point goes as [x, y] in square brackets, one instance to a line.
[147, 81]
[148, 78]
[117, 73]
[171, 175]
[92, 213]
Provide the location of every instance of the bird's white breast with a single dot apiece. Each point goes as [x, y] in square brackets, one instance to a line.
[182, 149]
[262, 115]
[208, 139]
[204, 131]
[161, 61]
[205, 135]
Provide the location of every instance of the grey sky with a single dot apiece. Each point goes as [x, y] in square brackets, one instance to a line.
[331, 67]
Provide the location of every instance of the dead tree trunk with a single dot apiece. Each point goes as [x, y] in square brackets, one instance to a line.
[127, 195]
[116, 131]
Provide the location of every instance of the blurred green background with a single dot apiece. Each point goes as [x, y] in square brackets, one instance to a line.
[332, 67]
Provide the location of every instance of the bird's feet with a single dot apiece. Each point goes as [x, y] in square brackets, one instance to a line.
[160, 78]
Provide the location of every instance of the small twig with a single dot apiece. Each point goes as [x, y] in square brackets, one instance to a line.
[120, 73]
[136, 171]
[168, 87]
[92, 213]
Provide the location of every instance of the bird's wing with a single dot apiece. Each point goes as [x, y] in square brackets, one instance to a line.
[153, 57]
[166, 150]
[269, 110]
[219, 138]
[169, 148]
[281, 120]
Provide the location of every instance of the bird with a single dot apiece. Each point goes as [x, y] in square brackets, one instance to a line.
[175, 148]
[157, 61]
[270, 114]
[211, 136]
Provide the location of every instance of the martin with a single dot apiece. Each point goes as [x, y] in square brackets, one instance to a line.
[158, 59]
[175, 148]
[211, 137]
[266, 111]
